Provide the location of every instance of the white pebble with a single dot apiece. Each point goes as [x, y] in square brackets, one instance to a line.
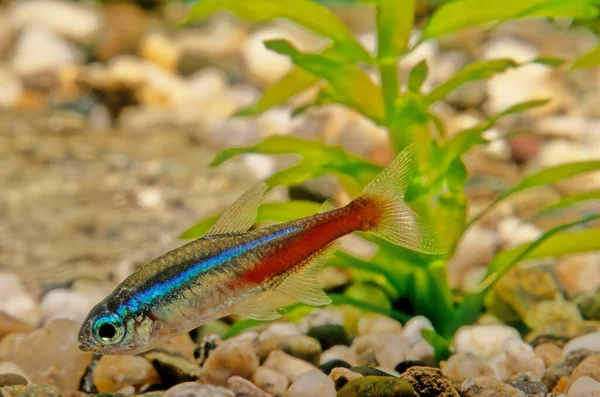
[313, 383]
[484, 340]
[193, 389]
[63, 303]
[15, 301]
[589, 341]
[584, 387]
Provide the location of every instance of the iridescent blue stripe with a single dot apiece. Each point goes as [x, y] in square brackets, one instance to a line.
[164, 288]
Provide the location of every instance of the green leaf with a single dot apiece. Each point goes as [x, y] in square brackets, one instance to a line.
[278, 212]
[441, 345]
[475, 71]
[417, 76]
[303, 12]
[339, 299]
[568, 201]
[588, 60]
[291, 84]
[460, 14]
[350, 86]
[394, 22]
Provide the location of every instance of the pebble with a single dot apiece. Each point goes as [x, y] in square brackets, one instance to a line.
[429, 382]
[589, 305]
[64, 303]
[113, 373]
[386, 350]
[462, 366]
[300, 346]
[341, 376]
[578, 274]
[287, 365]
[245, 388]
[15, 301]
[37, 390]
[313, 383]
[208, 343]
[378, 324]
[563, 369]
[369, 371]
[38, 50]
[518, 357]
[377, 386]
[584, 387]
[590, 367]
[9, 325]
[317, 317]
[487, 386]
[270, 381]
[549, 353]
[49, 355]
[485, 341]
[330, 335]
[421, 349]
[532, 389]
[12, 87]
[551, 312]
[279, 329]
[328, 366]
[402, 366]
[11, 374]
[339, 352]
[193, 389]
[235, 356]
[173, 369]
[589, 342]
[74, 21]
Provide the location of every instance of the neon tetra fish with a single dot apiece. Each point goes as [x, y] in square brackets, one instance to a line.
[252, 273]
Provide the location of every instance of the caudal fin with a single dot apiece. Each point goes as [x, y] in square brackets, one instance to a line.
[396, 222]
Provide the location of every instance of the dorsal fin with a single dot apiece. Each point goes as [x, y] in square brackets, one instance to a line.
[242, 214]
[300, 282]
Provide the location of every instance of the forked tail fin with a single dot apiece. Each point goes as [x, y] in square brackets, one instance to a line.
[395, 221]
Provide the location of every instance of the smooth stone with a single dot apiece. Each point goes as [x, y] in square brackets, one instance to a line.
[328, 366]
[300, 346]
[532, 389]
[378, 324]
[518, 357]
[377, 386]
[64, 303]
[10, 325]
[584, 386]
[589, 342]
[35, 390]
[113, 373]
[15, 301]
[549, 353]
[270, 381]
[487, 386]
[41, 351]
[381, 349]
[339, 352]
[551, 312]
[207, 344]
[317, 317]
[193, 389]
[578, 274]
[235, 356]
[561, 333]
[245, 388]
[462, 366]
[341, 376]
[11, 374]
[563, 369]
[485, 341]
[590, 367]
[279, 329]
[429, 382]
[313, 383]
[402, 366]
[414, 326]
[287, 365]
[369, 371]
[330, 335]
[174, 369]
[589, 305]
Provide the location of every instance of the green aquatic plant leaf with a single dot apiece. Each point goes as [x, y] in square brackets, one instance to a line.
[475, 71]
[440, 345]
[339, 299]
[306, 13]
[552, 243]
[395, 20]
[417, 76]
[350, 86]
[277, 212]
[568, 201]
[460, 14]
[587, 60]
[293, 83]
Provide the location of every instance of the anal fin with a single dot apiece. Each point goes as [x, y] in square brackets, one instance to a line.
[261, 306]
[329, 205]
[300, 282]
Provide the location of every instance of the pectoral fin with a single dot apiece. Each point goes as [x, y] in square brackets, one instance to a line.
[242, 214]
[300, 282]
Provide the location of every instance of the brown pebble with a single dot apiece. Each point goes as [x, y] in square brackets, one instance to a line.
[549, 353]
[270, 381]
[429, 382]
[10, 325]
[113, 373]
[588, 367]
[561, 385]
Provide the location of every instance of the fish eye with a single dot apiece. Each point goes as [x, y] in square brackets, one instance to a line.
[109, 329]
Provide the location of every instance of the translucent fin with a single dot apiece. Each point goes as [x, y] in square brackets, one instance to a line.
[242, 214]
[262, 306]
[329, 205]
[300, 283]
[398, 223]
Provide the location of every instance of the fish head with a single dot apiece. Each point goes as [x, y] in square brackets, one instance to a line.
[120, 330]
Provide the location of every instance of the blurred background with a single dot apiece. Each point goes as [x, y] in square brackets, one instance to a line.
[111, 111]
